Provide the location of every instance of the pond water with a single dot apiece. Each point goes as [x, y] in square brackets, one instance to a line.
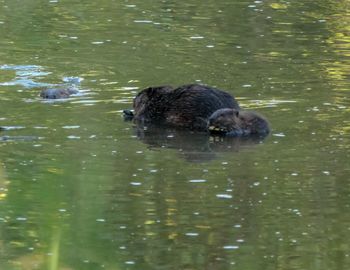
[82, 189]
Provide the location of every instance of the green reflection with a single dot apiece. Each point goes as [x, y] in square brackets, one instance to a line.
[81, 189]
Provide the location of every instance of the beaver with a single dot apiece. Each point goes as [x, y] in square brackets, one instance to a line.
[58, 93]
[232, 122]
[188, 106]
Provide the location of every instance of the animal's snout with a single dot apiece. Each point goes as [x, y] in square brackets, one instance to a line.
[211, 123]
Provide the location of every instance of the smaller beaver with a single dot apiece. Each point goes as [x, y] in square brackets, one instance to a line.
[58, 93]
[231, 122]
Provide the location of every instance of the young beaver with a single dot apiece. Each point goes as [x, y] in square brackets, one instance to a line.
[231, 122]
[58, 93]
[188, 106]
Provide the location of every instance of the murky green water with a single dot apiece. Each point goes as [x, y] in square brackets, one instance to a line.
[81, 189]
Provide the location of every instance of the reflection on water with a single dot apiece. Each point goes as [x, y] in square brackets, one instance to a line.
[81, 189]
[193, 146]
[17, 138]
[25, 75]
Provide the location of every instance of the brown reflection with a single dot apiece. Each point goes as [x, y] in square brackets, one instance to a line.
[192, 146]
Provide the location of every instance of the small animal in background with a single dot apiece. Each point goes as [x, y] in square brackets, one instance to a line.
[68, 88]
[58, 93]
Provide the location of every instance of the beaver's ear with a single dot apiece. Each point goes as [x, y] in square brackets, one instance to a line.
[149, 91]
[153, 91]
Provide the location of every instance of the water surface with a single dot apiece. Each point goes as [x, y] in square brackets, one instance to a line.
[82, 189]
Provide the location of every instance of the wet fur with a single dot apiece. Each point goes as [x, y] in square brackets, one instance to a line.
[58, 93]
[188, 106]
[232, 122]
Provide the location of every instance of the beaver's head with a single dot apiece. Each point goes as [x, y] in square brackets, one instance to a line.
[55, 93]
[149, 100]
[224, 120]
[237, 123]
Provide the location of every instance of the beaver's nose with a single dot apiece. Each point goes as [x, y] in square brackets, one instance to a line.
[211, 122]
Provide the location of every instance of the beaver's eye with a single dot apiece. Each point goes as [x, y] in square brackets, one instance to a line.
[237, 113]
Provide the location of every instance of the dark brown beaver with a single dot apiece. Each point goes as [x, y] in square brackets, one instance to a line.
[58, 93]
[232, 122]
[188, 106]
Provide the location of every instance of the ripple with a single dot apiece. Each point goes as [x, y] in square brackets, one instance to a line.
[197, 181]
[269, 103]
[192, 234]
[19, 67]
[231, 247]
[72, 80]
[196, 37]
[71, 127]
[143, 21]
[73, 137]
[11, 127]
[27, 83]
[100, 220]
[18, 138]
[87, 101]
[224, 196]
[25, 75]
[135, 183]
[279, 135]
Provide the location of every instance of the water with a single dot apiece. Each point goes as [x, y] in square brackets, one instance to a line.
[82, 189]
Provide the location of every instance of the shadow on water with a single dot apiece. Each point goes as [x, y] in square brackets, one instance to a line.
[193, 146]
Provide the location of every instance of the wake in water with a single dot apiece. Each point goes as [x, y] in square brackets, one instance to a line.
[27, 76]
